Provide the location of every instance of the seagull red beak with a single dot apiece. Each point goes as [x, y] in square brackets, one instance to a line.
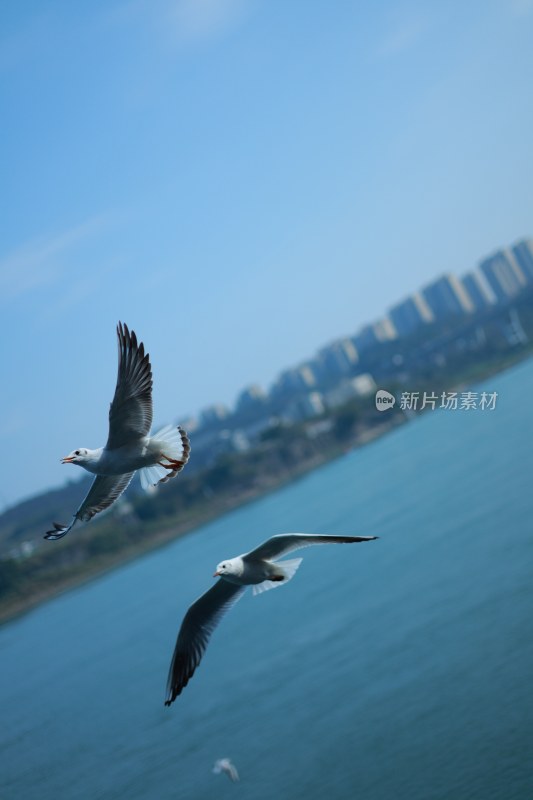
[216, 574]
[67, 460]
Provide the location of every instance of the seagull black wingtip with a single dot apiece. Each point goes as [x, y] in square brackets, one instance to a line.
[58, 532]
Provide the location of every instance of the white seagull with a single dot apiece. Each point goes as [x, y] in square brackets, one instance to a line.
[229, 769]
[257, 569]
[129, 446]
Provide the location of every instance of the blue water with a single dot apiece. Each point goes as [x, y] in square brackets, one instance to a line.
[396, 669]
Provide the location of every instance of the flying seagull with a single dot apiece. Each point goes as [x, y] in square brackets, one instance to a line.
[258, 569]
[225, 765]
[129, 445]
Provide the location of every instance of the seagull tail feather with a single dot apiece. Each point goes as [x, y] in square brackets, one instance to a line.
[174, 441]
[173, 444]
[150, 476]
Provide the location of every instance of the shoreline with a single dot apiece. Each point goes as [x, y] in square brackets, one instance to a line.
[12, 608]
[15, 608]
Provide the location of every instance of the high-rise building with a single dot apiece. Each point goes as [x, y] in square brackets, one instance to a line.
[447, 296]
[503, 275]
[410, 314]
[523, 254]
[213, 415]
[374, 334]
[351, 388]
[250, 398]
[305, 407]
[385, 330]
[478, 290]
[294, 380]
[338, 358]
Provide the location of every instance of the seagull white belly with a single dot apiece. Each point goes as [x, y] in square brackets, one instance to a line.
[259, 571]
[126, 459]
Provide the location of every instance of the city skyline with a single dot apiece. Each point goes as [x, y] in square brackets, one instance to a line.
[464, 302]
[300, 384]
[241, 182]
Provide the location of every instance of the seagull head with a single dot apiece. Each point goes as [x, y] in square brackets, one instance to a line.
[77, 456]
[231, 566]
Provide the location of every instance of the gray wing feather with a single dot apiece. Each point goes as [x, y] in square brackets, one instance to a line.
[130, 414]
[287, 542]
[104, 491]
[198, 624]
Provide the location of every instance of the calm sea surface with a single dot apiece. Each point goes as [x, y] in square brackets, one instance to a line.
[396, 669]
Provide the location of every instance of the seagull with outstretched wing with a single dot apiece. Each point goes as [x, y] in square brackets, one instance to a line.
[258, 569]
[129, 445]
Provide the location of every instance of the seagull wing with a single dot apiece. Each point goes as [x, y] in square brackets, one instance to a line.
[104, 491]
[198, 624]
[130, 414]
[284, 543]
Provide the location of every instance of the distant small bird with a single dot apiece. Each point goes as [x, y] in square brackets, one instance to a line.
[129, 446]
[225, 765]
[257, 569]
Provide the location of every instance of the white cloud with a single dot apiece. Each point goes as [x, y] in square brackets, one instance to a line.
[74, 295]
[41, 263]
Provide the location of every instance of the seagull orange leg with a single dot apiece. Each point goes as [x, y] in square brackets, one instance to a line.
[172, 464]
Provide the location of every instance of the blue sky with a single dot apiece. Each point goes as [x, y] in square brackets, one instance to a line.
[241, 181]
